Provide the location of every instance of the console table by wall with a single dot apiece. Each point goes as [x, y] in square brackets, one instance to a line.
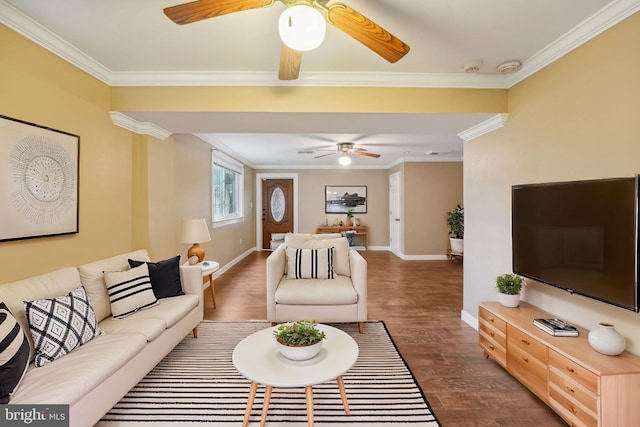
[584, 387]
[361, 230]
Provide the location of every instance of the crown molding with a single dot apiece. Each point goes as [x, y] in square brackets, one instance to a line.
[489, 125]
[596, 24]
[318, 79]
[588, 29]
[27, 27]
[142, 128]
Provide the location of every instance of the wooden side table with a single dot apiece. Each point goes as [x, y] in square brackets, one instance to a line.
[208, 268]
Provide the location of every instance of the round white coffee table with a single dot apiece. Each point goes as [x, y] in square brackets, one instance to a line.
[257, 358]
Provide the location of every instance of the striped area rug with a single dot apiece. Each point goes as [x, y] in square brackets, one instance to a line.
[196, 384]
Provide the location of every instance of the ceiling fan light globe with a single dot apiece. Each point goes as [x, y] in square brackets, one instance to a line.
[345, 160]
[302, 28]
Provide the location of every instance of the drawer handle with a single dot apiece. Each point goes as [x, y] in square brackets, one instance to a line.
[491, 333]
[571, 408]
[569, 389]
[491, 320]
[525, 341]
[491, 347]
[573, 371]
[525, 359]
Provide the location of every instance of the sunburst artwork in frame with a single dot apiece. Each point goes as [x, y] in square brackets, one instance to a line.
[39, 189]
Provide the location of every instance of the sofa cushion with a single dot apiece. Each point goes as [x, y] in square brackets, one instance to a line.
[50, 285]
[315, 241]
[339, 291]
[310, 263]
[14, 354]
[92, 278]
[129, 291]
[60, 325]
[70, 378]
[150, 328]
[172, 310]
[164, 275]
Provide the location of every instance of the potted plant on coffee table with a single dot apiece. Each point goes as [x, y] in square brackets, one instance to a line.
[509, 287]
[455, 220]
[299, 340]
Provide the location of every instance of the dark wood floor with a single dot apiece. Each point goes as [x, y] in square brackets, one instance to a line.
[420, 302]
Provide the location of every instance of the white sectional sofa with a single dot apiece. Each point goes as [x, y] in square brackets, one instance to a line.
[95, 376]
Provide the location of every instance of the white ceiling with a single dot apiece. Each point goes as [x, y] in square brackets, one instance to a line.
[131, 42]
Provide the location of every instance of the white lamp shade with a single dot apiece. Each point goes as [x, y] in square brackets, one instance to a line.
[302, 27]
[345, 160]
[195, 231]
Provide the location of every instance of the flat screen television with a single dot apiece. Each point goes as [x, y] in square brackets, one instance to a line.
[579, 236]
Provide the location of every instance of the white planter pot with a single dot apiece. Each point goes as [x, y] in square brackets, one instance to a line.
[457, 245]
[509, 300]
[299, 353]
[606, 340]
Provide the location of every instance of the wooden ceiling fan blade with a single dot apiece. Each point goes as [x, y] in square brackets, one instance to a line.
[290, 61]
[365, 153]
[203, 9]
[367, 32]
[324, 155]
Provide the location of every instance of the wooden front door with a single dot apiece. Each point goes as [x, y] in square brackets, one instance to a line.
[277, 208]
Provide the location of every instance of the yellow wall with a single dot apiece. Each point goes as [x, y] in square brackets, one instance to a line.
[576, 119]
[38, 87]
[308, 99]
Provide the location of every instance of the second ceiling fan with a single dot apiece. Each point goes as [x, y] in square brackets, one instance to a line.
[339, 15]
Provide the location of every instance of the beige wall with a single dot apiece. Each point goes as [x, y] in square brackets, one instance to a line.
[192, 189]
[38, 87]
[430, 191]
[311, 185]
[576, 119]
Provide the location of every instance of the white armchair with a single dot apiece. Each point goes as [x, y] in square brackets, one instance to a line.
[342, 299]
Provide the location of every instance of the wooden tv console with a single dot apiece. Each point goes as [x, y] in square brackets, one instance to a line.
[583, 386]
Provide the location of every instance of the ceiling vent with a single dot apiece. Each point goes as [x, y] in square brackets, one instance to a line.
[509, 67]
[472, 67]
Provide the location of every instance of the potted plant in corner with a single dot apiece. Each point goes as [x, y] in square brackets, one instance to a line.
[455, 220]
[299, 340]
[509, 287]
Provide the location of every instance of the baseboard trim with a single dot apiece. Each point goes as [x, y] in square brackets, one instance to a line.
[233, 262]
[423, 257]
[469, 319]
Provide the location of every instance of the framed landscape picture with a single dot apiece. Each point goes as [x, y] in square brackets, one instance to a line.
[344, 198]
[39, 192]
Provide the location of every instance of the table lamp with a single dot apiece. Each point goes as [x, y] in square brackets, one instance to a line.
[195, 231]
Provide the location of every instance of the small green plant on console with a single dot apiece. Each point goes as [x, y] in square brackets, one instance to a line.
[509, 284]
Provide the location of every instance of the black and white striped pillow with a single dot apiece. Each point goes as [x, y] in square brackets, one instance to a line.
[310, 263]
[14, 354]
[129, 291]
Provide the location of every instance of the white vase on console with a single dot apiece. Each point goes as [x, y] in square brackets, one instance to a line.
[606, 340]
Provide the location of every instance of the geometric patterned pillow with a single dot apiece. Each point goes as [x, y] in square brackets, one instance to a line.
[59, 325]
[129, 291]
[14, 353]
[310, 263]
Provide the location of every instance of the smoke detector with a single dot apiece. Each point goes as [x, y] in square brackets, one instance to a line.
[509, 67]
[472, 66]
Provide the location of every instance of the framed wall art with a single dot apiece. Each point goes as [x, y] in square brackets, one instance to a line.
[39, 191]
[343, 198]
